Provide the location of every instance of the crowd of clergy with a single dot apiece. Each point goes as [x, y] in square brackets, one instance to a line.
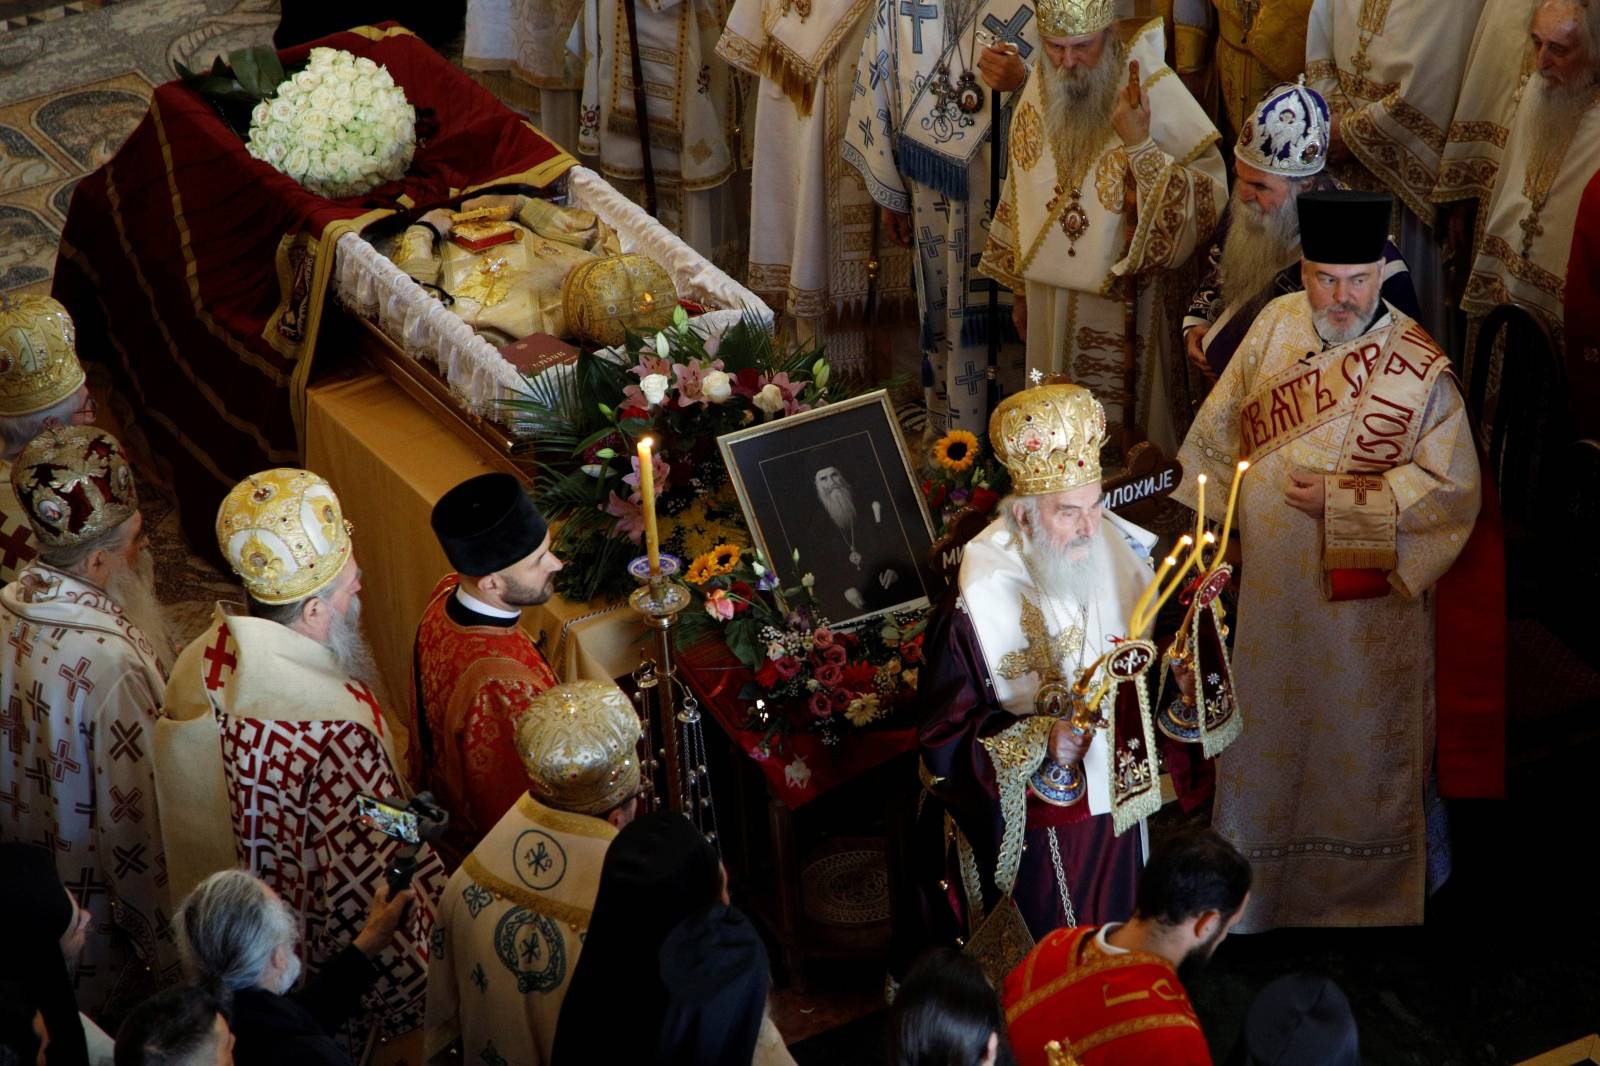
[1246, 234]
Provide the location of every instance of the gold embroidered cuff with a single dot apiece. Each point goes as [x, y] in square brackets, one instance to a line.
[1016, 752]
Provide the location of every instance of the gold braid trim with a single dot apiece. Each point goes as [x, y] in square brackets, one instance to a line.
[575, 917]
[971, 883]
[1016, 752]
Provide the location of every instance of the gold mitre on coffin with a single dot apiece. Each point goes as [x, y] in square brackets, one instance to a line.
[604, 299]
[1074, 18]
[1049, 437]
[579, 744]
[74, 484]
[284, 534]
[38, 361]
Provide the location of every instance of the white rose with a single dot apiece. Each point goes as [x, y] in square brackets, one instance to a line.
[769, 399]
[342, 59]
[343, 90]
[294, 164]
[351, 161]
[258, 117]
[716, 386]
[313, 138]
[365, 65]
[322, 99]
[342, 112]
[314, 120]
[276, 151]
[654, 387]
[308, 80]
[282, 110]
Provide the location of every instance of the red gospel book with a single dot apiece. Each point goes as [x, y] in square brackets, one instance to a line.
[538, 352]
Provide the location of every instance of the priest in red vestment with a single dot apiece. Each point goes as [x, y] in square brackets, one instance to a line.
[475, 669]
[1093, 996]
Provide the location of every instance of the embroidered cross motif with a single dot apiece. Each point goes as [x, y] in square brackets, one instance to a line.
[37, 707]
[12, 725]
[919, 14]
[61, 761]
[480, 978]
[1010, 31]
[539, 858]
[126, 806]
[1044, 653]
[220, 658]
[125, 741]
[865, 127]
[77, 677]
[15, 549]
[972, 378]
[13, 799]
[930, 243]
[1362, 485]
[1532, 230]
[880, 67]
[363, 694]
[19, 640]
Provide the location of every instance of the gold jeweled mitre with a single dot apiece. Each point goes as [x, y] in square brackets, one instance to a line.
[604, 299]
[1074, 18]
[284, 534]
[1049, 437]
[74, 484]
[579, 744]
[38, 361]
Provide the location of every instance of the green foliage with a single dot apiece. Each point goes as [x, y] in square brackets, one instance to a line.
[235, 85]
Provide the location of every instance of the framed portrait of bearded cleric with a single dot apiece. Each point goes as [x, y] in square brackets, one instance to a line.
[830, 492]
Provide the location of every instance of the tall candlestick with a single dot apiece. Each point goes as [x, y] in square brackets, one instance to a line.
[1233, 499]
[1200, 507]
[1150, 589]
[1176, 583]
[647, 496]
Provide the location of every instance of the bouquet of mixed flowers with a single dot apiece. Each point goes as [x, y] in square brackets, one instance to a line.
[962, 474]
[806, 676]
[584, 423]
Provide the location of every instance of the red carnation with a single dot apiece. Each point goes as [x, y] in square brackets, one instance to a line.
[821, 705]
[786, 667]
[829, 674]
[768, 675]
[834, 655]
[840, 699]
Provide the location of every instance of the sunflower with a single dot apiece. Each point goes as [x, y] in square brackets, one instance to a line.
[956, 450]
[714, 563]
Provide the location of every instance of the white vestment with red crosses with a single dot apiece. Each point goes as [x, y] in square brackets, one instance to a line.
[79, 691]
[17, 547]
[264, 745]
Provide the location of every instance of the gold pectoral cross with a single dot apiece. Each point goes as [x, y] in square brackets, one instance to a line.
[1532, 230]
[1045, 652]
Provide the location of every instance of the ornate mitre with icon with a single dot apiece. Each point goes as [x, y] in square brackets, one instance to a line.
[579, 743]
[38, 360]
[284, 534]
[605, 299]
[1288, 134]
[1074, 18]
[74, 484]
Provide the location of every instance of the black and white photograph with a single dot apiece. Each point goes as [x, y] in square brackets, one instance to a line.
[834, 486]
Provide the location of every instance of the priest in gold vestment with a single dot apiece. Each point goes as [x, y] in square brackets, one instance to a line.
[1260, 43]
[1363, 490]
[513, 919]
[1114, 177]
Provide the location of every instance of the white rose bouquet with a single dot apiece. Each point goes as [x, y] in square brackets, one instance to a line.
[340, 127]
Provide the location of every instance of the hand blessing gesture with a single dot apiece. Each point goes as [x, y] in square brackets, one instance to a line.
[1131, 116]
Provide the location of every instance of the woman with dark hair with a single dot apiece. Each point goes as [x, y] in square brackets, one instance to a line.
[714, 967]
[657, 872]
[44, 932]
[948, 1014]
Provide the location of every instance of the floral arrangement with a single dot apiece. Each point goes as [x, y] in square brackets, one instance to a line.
[962, 474]
[341, 127]
[584, 423]
[806, 676]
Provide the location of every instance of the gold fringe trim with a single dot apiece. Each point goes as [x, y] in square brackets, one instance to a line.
[780, 66]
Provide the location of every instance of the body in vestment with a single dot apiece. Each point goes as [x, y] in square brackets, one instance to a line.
[1528, 224]
[511, 926]
[1325, 791]
[1391, 73]
[1260, 43]
[692, 103]
[979, 684]
[515, 288]
[1227, 323]
[921, 155]
[475, 673]
[263, 746]
[1083, 237]
[81, 685]
[812, 224]
[1102, 1004]
[1498, 62]
[536, 43]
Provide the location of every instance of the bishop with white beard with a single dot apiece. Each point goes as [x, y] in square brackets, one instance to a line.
[1042, 593]
[1114, 177]
[1281, 153]
[1553, 150]
[81, 684]
[270, 729]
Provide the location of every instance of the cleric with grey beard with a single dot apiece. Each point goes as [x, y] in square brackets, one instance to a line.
[857, 560]
[1256, 256]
